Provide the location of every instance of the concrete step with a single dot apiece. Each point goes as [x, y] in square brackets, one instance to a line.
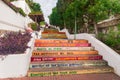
[68, 71]
[63, 48]
[67, 58]
[59, 64]
[57, 53]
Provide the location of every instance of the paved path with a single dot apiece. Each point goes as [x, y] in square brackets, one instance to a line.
[105, 76]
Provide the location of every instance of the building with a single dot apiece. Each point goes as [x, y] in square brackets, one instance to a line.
[11, 18]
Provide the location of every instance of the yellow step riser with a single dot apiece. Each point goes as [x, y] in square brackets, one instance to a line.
[69, 72]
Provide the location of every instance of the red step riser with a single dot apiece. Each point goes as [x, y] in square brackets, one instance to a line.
[36, 59]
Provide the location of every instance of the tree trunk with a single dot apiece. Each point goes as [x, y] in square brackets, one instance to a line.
[86, 26]
[95, 27]
[64, 24]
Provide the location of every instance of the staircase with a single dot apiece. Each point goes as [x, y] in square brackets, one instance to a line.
[55, 55]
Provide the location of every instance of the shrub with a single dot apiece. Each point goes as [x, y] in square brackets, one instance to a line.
[14, 43]
[112, 39]
[21, 12]
[33, 26]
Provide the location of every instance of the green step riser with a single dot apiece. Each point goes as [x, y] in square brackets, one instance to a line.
[63, 48]
[54, 65]
[69, 72]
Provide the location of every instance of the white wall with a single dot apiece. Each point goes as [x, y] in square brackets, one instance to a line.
[10, 20]
[108, 54]
[23, 5]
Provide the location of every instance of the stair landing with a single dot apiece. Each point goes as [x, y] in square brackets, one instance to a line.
[103, 76]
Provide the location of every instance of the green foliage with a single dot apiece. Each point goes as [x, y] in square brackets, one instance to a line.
[42, 23]
[35, 7]
[86, 11]
[33, 26]
[21, 12]
[55, 18]
[112, 39]
[36, 12]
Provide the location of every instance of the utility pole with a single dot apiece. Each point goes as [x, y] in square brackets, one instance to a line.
[75, 24]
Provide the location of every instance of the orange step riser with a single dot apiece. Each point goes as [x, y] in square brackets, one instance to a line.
[60, 41]
[40, 53]
[64, 45]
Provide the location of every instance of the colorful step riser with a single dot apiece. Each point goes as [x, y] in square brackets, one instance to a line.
[60, 41]
[54, 36]
[63, 48]
[68, 64]
[70, 72]
[39, 59]
[63, 45]
[57, 37]
[62, 53]
[51, 32]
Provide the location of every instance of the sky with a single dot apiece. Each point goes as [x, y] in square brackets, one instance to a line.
[46, 6]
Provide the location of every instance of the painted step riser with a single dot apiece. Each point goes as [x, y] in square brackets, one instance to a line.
[37, 59]
[63, 45]
[63, 48]
[55, 65]
[69, 72]
[50, 32]
[60, 41]
[53, 35]
[53, 53]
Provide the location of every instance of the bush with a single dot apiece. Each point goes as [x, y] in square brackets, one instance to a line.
[21, 12]
[14, 43]
[33, 26]
[112, 39]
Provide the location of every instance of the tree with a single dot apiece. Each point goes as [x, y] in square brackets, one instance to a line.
[35, 7]
[87, 12]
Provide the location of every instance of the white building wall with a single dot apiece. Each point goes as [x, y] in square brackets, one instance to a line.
[10, 20]
[23, 5]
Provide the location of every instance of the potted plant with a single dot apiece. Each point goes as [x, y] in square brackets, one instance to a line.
[15, 53]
